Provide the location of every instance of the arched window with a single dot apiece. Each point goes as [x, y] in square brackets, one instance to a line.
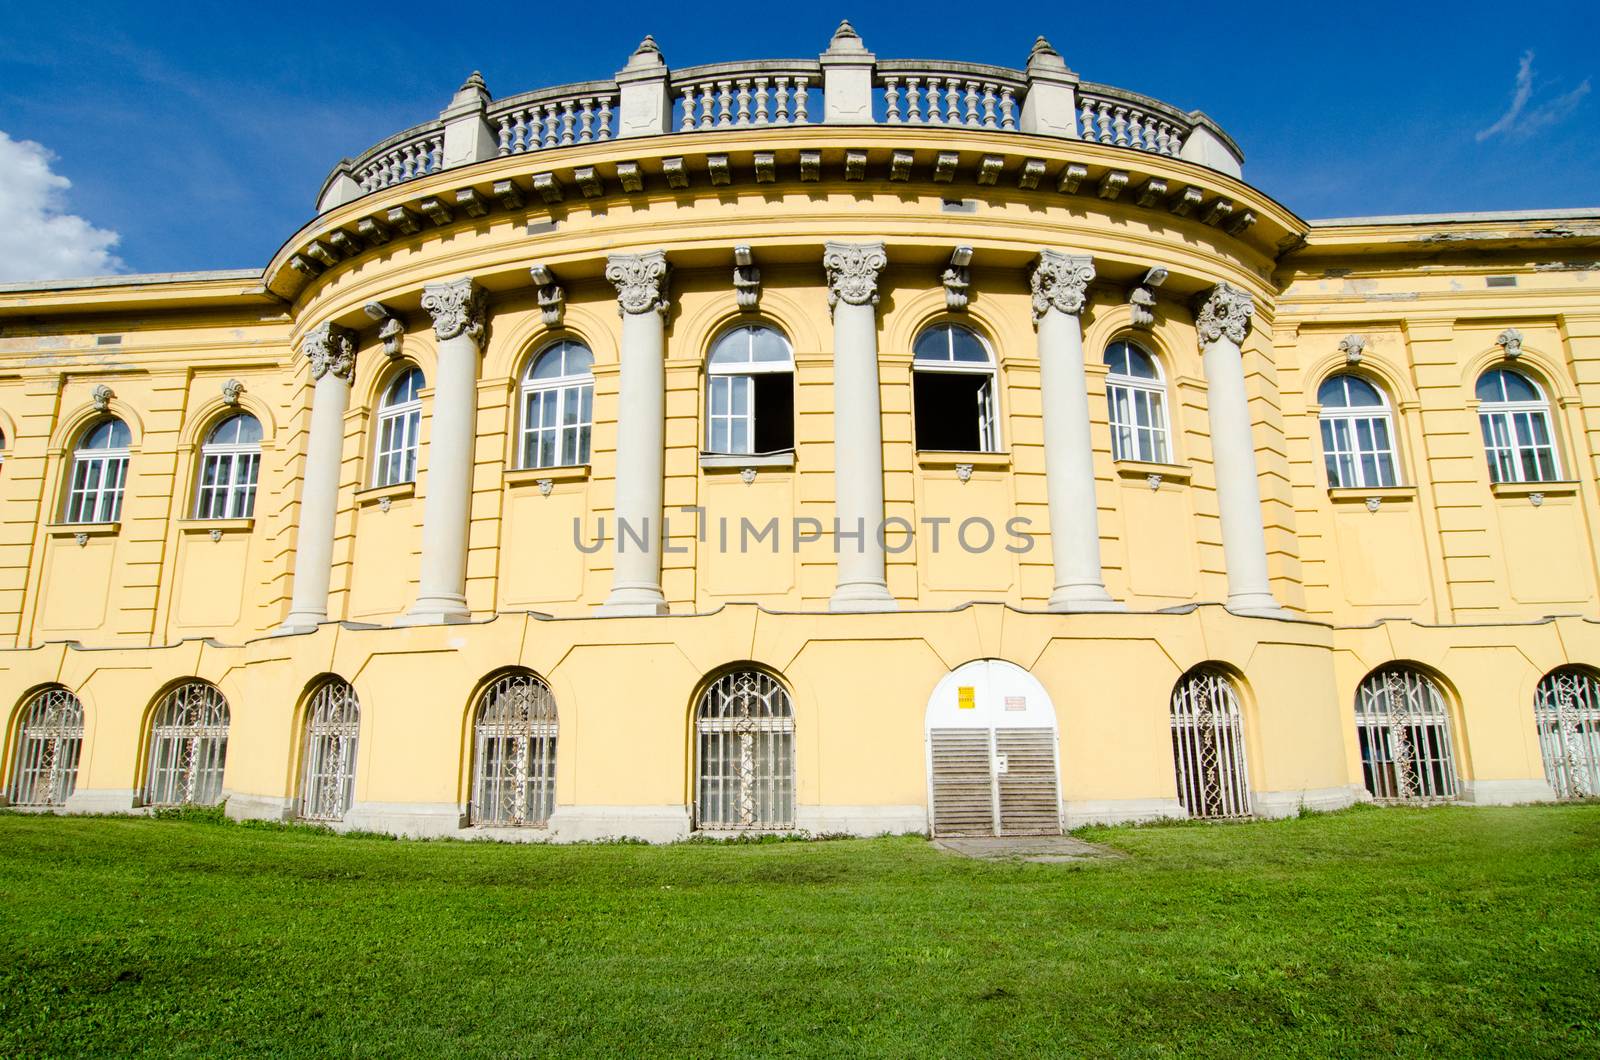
[744, 765]
[399, 423]
[188, 747]
[230, 461]
[1357, 433]
[1566, 711]
[558, 406]
[750, 392]
[953, 391]
[1137, 398]
[328, 773]
[1404, 732]
[49, 742]
[99, 473]
[514, 753]
[1208, 745]
[1515, 418]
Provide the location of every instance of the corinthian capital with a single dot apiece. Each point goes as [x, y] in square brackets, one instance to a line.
[459, 307]
[853, 272]
[330, 348]
[1224, 313]
[641, 282]
[1060, 282]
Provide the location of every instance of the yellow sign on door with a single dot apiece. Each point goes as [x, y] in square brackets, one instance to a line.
[966, 697]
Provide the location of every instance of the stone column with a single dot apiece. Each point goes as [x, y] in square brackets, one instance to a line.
[857, 427]
[1223, 319]
[641, 282]
[458, 311]
[331, 350]
[1060, 283]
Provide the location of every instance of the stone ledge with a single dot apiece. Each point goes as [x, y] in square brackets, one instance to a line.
[1273, 804]
[1506, 792]
[1119, 811]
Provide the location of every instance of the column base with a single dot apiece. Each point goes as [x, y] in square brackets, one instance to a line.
[862, 596]
[1083, 598]
[436, 610]
[1256, 605]
[1506, 792]
[299, 622]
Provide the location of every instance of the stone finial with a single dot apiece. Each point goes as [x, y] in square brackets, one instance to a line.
[459, 307]
[101, 397]
[231, 391]
[330, 349]
[853, 272]
[1044, 57]
[846, 39]
[1352, 346]
[1224, 312]
[1510, 340]
[1060, 282]
[640, 280]
[472, 91]
[646, 56]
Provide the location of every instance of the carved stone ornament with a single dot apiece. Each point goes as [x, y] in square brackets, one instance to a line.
[385, 503]
[231, 391]
[957, 278]
[1225, 314]
[215, 535]
[101, 397]
[746, 279]
[964, 472]
[552, 296]
[1536, 498]
[641, 282]
[1142, 299]
[1374, 503]
[459, 307]
[330, 348]
[1510, 340]
[80, 538]
[747, 475]
[1154, 481]
[853, 272]
[1061, 282]
[545, 486]
[1352, 347]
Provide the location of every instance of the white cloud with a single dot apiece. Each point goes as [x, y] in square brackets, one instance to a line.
[38, 240]
[1518, 122]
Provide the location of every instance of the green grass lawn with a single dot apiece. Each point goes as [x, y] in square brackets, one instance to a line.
[1447, 931]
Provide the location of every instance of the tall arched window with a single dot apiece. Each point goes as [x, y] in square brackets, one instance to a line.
[1208, 745]
[953, 391]
[1137, 398]
[750, 392]
[1515, 418]
[99, 473]
[1403, 728]
[230, 461]
[744, 761]
[328, 770]
[188, 747]
[399, 423]
[49, 743]
[1566, 711]
[558, 406]
[1357, 433]
[514, 753]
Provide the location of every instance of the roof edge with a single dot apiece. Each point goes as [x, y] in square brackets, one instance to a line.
[133, 280]
[1563, 214]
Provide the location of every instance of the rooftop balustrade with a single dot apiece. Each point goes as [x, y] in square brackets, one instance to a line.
[846, 85]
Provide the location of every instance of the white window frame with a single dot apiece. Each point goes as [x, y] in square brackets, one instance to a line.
[731, 379]
[1342, 427]
[1147, 434]
[1505, 427]
[229, 471]
[988, 396]
[99, 477]
[399, 429]
[569, 391]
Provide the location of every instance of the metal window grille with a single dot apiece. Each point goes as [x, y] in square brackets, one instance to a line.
[1404, 732]
[514, 774]
[1566, 711]
[49, 743]
[188, 747]
[744, 775]
[1208, 746]
[328, 776]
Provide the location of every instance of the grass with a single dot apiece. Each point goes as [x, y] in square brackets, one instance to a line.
[1448, 931]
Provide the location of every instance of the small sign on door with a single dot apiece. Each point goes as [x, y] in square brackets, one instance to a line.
[966, 697]
[1016, 702]
[1001, 763]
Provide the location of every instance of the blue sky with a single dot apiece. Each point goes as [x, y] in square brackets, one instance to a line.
[199, 134]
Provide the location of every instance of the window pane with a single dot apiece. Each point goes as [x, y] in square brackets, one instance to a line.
[769, 346]
[967, 347]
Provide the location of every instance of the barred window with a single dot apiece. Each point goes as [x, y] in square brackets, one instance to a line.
[328, 772]
[1403, 729]
[1137, 398]
[49, 744]
[744, 762]
[514, 753]
[188, 747]
[399, 424]
[1357, 433]
[1208, 745]
[99, 473]
[750, 392]
[230, 461]
[558, 406]
[1566, 711]
[1515, 419]
[953, 391]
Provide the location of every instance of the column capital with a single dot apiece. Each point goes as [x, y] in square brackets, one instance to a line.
[459, 307]
[330, 348]
[853, 272]
[1061, 282]
[641, 281]
[1224, 312]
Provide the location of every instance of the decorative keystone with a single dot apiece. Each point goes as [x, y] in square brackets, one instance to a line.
[1142, 298]
[101, 397]
[391, 329]
[1510, 340]
[957, 277]
[1352, 346]
[231, 391]
[746, 279]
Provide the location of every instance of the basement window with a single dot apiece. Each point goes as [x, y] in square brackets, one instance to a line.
[953, 391]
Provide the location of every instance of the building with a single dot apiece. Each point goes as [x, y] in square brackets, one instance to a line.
[851, 445]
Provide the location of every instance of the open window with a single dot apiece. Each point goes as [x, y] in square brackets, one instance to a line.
[953, 391]
[1136, 397]
[750, 392]
[399, 424]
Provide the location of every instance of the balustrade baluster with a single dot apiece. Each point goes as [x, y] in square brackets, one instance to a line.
[1008, 110]
[1105, 123]
[781, 105]
[1121, 127]
[891, 101]
[708, 102]
[1136, 129]
[687, 124]
[505, 135]
[724, 104]
[952, 101]
[761, 101]
[935, 103]
[605, 118]
[408, 162]
[800, 84]
[743, 118]
[989, 121]
[550, 120]
[586, 120]
[970, 118]
[913, 101]
[567, 116]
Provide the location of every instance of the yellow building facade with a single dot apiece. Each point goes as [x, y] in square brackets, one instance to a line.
[854, 445]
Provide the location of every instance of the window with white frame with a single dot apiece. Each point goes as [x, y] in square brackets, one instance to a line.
[230, 461]
[750, 392]
[49, 744]
[1137, 398]
[514, 753]
[1208, 745]
[558, 406]
[744, 760]
[953, 391]
[99, 473]
[1403, 729]
[188, 747]
[328, 762]
[1515, 419]
[1357, 434]
[399, 423]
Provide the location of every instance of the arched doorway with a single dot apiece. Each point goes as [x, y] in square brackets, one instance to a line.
[991, 744]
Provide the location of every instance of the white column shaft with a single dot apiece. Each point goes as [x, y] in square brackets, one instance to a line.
[1233, 452]
[319, 504]
[858, 461]
[447, 511]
